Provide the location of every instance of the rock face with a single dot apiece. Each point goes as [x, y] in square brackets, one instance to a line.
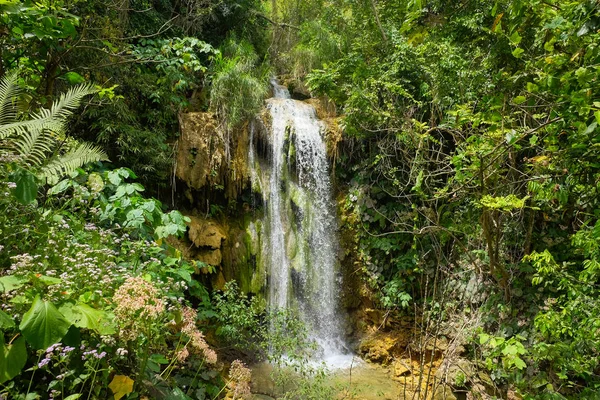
[381, 347]
[206, 233]
[210, 156]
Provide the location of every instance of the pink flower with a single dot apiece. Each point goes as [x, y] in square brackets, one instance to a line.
[238, 386]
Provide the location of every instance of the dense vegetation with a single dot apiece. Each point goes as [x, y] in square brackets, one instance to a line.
[468, 164]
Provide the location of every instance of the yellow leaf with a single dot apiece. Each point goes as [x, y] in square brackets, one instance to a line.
[538, 159]
[497, 21]
[121, 385]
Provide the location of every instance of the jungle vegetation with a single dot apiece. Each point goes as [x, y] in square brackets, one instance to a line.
[468, 168]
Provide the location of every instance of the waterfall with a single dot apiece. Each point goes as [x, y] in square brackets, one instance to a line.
[300, 243]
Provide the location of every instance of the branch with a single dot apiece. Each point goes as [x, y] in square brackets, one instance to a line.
[280, 24]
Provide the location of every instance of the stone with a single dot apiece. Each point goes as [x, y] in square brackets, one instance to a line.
[205, 233]
[444, 392]
[378, 348]
[209, 156]
[402, 367]
[210, 257]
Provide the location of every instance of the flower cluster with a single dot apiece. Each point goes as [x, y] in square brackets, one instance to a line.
[56, 350]
[138, 303]
[238, 386]
[197, 342]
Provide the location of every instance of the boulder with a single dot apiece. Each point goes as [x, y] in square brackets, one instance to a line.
[444, 392]
[402, 367]
[379, 348]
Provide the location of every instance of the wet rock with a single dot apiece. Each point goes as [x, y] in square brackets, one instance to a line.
[379, 348]
[210, 257]
[204, 233]
[208, 156]
[324, 107]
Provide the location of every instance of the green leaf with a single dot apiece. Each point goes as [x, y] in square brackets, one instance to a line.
[591, 128]
[60, 187]
[73, 396]
[6, 322]
[518, 52]
[483, 338]
[519, 363]
[597, 116]
[43, 325]
[515, 38]
[74, 78]
[519, 100]
[83, 316]
[532, 87]
[48, 280]
[26, 190]
[114, 178]
[12, 358]
[11, 282]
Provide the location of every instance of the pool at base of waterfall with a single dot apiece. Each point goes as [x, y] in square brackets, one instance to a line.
[357, 380]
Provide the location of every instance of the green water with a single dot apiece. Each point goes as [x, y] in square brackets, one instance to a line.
[361, 382]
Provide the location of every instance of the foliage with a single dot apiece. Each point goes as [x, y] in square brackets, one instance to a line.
[238, 84]
[470, 154]
[34, 144]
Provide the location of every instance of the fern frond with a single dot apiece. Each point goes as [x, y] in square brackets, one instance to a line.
[62, 165]
[33, 146]
[52, 119]
[63, 107]
[9, 93]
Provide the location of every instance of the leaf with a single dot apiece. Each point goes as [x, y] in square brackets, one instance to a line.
[49, 280]
[519, 100]
[590, 128]
[43, 325]
[483, 338]
[114, 178]
[11, 282]
[26, 190]
[73, 396]
[74, 78]
[6, 322]
[121, 385]
[518, 52]
[515, 38]
[12, 358]
[519, 363]
[83, 316]
[60, 187]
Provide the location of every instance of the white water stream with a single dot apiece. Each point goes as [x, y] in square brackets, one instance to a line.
[300, 225]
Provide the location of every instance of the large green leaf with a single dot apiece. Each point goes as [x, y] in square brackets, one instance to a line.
[11, 282]
[12, 358]
[83, 316]
[26, 190]
[43, 325]
[6, 321]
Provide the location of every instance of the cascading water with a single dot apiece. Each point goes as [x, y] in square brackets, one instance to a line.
[300, 242]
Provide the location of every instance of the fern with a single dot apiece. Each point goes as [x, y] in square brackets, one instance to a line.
[52, 119]
[34, 140]
[9, 93]
[84, 153]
